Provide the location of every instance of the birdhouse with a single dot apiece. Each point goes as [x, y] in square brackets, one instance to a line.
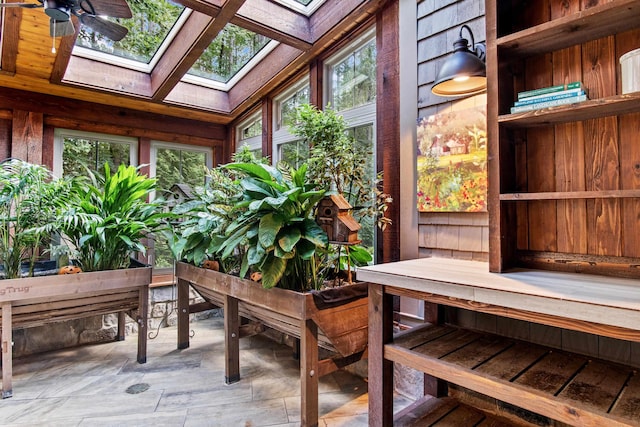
[335, 219]
[179, 193]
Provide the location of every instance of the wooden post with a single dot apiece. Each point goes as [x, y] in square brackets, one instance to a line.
[380, 370]
[309, 373]
[121, 326]
[7, 388]
[143, 315]
[231, 340]
[183, 314]
[434, 314]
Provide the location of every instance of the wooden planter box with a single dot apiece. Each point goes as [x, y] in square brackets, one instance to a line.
[335, 319]
[36, 301]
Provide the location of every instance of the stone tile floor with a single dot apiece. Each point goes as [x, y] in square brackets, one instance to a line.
[103, 385]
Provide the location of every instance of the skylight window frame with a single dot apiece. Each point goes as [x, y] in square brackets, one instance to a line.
[213, 84]
[307, 10]
[131, 64]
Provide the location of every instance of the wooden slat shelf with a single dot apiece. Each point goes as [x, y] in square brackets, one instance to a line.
[445, 412]
[568, 195]
[586, 110]
[589, 24]
[563, 386]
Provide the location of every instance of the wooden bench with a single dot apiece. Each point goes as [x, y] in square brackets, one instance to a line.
[560, 385]
[37, 301]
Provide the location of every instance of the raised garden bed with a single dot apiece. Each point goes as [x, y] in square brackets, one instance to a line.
[36, 301]
[335, 319]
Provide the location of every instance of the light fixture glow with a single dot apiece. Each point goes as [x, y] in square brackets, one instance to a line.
[464, 72]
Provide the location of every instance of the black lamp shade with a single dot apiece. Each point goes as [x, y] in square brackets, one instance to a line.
[463, 73]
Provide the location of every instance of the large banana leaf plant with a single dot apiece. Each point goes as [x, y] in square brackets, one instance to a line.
[274, 223]
[110, 217]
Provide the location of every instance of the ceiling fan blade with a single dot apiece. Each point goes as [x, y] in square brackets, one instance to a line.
[112, 30]
[114, 8]
[23, 5]
[61, 28]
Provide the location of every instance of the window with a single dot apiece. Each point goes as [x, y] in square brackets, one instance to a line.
[76, 152]
[249, 133]
[288, 147]
[353, 75]
[173, 164]
[351, 90]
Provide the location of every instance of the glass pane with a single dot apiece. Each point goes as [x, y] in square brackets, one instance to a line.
[363, 136]
[303, 2]
[253, 129]
[354, 79]
[288, 107]
[228, 53]
[174, 166]
[80, 154]
[294, 153]
[152, 20]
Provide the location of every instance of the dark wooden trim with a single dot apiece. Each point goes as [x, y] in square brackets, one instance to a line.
[194, 38]
[388, 123]
[10, 39]
[144, 154]
[267, 127]
[316, 80]
[74, 114]
[48, 141]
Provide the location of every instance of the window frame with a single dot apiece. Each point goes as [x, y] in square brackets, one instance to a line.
[281, 135]
[60, 134]
[255, 142]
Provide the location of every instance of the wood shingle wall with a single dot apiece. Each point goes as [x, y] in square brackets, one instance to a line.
[457, 235]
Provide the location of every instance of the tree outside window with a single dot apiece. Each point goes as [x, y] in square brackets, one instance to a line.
[82, 154]
[353, 80]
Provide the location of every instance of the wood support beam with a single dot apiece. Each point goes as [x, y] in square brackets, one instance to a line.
[193, 39]
[26, 136]
[63, 55]
[10, 38]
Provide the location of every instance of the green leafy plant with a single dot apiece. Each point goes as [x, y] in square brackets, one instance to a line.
[339, 164]
[28, 199]
[109, 217]
[274, 221]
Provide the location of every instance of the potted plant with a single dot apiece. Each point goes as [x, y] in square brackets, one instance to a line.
[264, 218]
[105, 220]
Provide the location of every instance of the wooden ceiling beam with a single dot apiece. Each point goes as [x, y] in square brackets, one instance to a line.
[262, 17]
[10, 36]
[192, 40]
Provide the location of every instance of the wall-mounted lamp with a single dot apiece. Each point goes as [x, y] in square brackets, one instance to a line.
[464, 72]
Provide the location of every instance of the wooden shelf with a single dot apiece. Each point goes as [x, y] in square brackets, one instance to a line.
[589, 24]
[564, 386]
[591, 109]
[570, 195]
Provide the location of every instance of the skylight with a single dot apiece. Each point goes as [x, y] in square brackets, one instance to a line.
[152, 22]
[229, 52]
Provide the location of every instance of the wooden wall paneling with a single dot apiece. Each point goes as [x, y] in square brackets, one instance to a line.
[601, 143]
[570, 161]
[48, 141]
[5, 138]
[629, 126]
[144, 155]
[26, 136]
[388, 122]
[127, 120]
[541, 166]
[267, 127]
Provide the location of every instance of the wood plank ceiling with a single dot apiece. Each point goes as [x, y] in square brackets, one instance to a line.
[27, 62]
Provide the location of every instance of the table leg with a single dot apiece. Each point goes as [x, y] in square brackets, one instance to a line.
[380, 370]
[231, 340]
[183, 314]
[143, 318]
[7, 349]
[309, 373]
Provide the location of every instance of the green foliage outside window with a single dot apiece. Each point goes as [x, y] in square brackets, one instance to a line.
[82, 154]
[228, 53]
[354, 79]
[151, 22]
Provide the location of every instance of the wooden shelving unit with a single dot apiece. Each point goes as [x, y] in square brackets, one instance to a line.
[563, 179]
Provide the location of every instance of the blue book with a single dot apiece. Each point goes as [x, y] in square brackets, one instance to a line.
[546, 104]
[558, 95]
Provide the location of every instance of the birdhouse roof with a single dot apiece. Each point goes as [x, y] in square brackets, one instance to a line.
[340, 201]
[185, 189]
[350, 222]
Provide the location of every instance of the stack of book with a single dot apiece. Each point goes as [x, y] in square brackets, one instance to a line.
[549, 97]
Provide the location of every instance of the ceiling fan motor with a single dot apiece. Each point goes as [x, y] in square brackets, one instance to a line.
[57, 10]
